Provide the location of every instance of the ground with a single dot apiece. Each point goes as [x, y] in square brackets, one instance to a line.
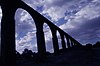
[73, 57]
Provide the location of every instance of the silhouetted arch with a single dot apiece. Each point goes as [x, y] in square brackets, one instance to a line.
[39, 20]
[48, 38]
[68, 41]
[59, 39]
[25, 31]
[0, 28]
[71, 42]
[65, 42]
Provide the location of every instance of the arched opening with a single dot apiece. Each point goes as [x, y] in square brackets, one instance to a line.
[59, 40]
[25, 31]
[71, 43]
[0, 28]
[65, 42]
[48, 38]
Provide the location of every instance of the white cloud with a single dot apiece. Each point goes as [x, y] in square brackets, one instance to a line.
[85, 23]
[55, 12]
[26, 38]
[25, 31]
[56, 9]
[26, 42]
[48, 36]
[24, 22]
[47, 33]
[16, 35]
[34, 3]
[89, 12]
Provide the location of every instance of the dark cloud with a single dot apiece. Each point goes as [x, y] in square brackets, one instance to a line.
[87, 32]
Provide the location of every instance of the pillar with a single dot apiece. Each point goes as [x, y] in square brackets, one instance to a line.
[55, 42]
[40, 38]
[8, 35]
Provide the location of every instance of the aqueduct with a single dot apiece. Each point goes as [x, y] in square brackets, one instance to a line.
[9, 8]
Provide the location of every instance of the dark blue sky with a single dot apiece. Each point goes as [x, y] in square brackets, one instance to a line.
[79, 18]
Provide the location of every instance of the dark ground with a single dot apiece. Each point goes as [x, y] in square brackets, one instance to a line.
[74, 57]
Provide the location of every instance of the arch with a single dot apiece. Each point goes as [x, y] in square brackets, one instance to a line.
[0, 28]
[71, 42]
[39, 20]
[25, 31]
[48, 38]
[54, 38]
[65, 41]
[68, 41]
[59, 39]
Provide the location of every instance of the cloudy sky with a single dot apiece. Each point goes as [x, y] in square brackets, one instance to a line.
[79, 18]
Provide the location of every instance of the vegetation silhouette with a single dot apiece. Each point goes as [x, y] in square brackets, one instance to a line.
[85, 53]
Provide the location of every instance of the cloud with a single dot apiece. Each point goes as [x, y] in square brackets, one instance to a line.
[90, 11]
[56, 9]
[85, 24]
[34, 3]
[28, 41]
[49, 46]
[73, 11]
[88, 32]
[24, 22]
[25, 31]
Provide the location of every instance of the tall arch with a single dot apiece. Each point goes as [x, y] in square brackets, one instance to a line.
[39, 20]
[54, 38]
[66, 42]
[59, 39]
[0, 28]
[71, 42]
[48, 38]
[25, 31]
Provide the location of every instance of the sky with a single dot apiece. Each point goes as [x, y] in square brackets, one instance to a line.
[79, 18]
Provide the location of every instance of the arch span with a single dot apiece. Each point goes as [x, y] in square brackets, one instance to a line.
[8, 31]
[25, 31]
[48, 38]
[59, 39]
[0, 28]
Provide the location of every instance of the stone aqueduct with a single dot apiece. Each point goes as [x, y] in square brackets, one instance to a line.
[9, 8]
